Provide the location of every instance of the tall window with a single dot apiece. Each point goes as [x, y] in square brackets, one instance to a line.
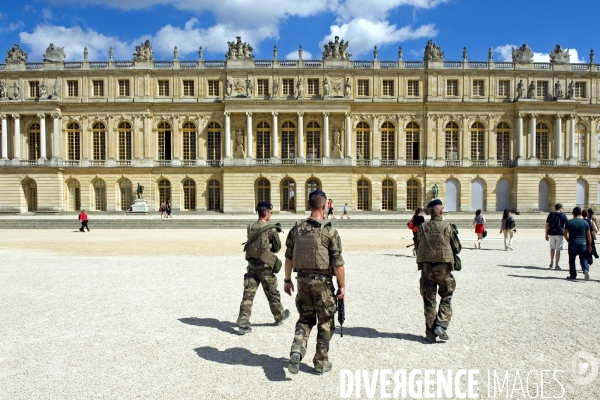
[213, 88]
[189, 194]
[412, 194]
[72, 88]
[288, 195]
[74, 195]
[288, 140]
[387, 141]
[312, 185]
[34, 89]
[263, 140]
[388, 87]
[478, 87]
[164, 141]
[542, 88]
[214, 195]
[98, 88]
[164, 190]
[541, 141]
[99, 139]
[503, 88]
[214, 141]
[188, 88]
[126, 191]
[34, 141]
[123, 87]
[163, 88]
[579, 90]
[412, 141]
[451, 132]
[363, 189]
[288, 87]
[452, 87]
[189, 141]
[313, 87]
[262, 85]
[263, 191]
[362, 142]
[580, 134]
[313, 140]
[30, 189]
[363, 87]
[125, 141]
[73, 141]
[502, 141]
[412, 88]
[477, 141]
[387, 195]
[99, 195]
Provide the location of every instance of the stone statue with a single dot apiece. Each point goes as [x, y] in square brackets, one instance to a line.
[275, 87]
[85, 54]
[228, 86]
[435, 191]
[326, 87]
[15, 55]
[175, 54]
[54, 54]
[520, 90]
[375, 53]
[239, 138]
[433, 52]
[558, 92]
[275, 52]
[139, 191]
[239, 50]
[560, 56]
[3, 90]
[143, 52]
[300, 87]
[491, 54]
[591, 56]
[465, 53]
[522, 55]
[399, 53]
[43, 90]
[200, 53]
[336, 138]
[348, 86]
[16, 91]
[300, 51]
[336, 50]
[571, 90]
[249, 87]
[111, 54]
[55, 89]
[531, 90]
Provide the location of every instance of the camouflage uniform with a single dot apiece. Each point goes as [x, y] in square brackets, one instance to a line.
[259, 272]
[436, 245]
[315, 299]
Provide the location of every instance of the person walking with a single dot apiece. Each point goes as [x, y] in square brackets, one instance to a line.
[593, 230]
[83, 217]
[437, 244]
[577, 234]
[345, 211]
[555, 226]
[314, 251]
[508, 227]
[163, 209]
[330, 209]
[168, 206]
[479, 225]
[417, 220]
[263, 242]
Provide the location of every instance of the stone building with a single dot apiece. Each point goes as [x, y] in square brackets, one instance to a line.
[223, 135]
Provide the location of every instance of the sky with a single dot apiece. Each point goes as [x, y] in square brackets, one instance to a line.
[387, 24]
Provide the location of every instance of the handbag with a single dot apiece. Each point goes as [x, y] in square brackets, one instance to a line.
[484, 233]
[410, 224]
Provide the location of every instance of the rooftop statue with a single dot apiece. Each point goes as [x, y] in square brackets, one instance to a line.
[560, 56]
[143, 52]
[433, 52]
[16, 55]
[54, 54]
[522, 54]
[336, 50]
[239, 50]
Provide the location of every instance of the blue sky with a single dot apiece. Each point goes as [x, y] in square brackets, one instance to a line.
[188, 24]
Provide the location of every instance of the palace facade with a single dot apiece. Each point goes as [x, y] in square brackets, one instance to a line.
[224, 135]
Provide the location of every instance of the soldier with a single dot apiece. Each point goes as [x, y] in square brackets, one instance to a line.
[437, 243]
[263, 242]
[314, 252]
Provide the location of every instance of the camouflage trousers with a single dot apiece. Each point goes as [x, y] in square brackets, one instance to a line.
[316, 305]
[259, 274]
[437, 279]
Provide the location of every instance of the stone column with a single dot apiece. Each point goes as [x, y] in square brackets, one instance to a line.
[17, 140]
[326, 133]
[375, 140]
[558, 140]
[519, 135]
[176, 141]
[465, 140]
[593, 143]
[572, 153]
[348, 135]
[42, 118]
[275, 140]
[400, 140]
[147, 143]
[227, 143]
[86, 151]
[4, 137]
[249, 134]
[301, 135]
[532, 124]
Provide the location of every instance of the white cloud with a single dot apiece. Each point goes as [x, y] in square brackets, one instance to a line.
[377, 9]
[13, 26]
[505, 52]
[364, 34]
[29, 8]
[46, 14]
[294, 55]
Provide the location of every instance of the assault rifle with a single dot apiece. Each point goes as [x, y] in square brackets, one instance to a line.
[341, 313]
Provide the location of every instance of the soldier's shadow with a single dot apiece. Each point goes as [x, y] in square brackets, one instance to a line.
[371, 333]
[223, 326]
[273, 367]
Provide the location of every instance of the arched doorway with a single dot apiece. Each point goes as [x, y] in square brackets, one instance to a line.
[126, 191]
[581, 193]
[312, 185]
[164, 190]
[263, 191]
[412, 194]
[502, 195]
[74, 195]
[288, 195]
[214, 195]
[544, 196]
[30, 191]
[451, 188]
[189, 195]
[387, 195]
[99, 195]
[363, 193]
[477, 194]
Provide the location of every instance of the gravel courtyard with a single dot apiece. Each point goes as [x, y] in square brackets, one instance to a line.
[151, 314]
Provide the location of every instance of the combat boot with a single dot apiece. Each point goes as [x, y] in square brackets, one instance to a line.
[242, 331]
[294, 365]
[286, 315]
[430, 337]
[441, 332]
[326, 369]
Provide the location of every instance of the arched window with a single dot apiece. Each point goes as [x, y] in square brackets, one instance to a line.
[74, 195]
[164, 190]
[363, 192]
[214, 142]
[126, 189]
[580, 142]
[312, 185]
[412, 194]
[164, 141]
[99, 139]
[263, 140]
[387, 195]
[30, 190]
[99, 195]
[477, 141]
[263, 190]
[502, 141]
[288, 195]
[412, 141]
[189, 194]
[313, 141]
[451, 132]
[288, 141]
[189, 141]
[388, 142]
[73, 141]
[125, 141]
[363, 144]
[214, 195]
[541, 141]
[34, 141]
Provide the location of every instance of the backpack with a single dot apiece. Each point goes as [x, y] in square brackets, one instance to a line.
[555, 222]
[510, 223]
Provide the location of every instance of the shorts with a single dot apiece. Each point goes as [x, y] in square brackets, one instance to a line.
[330, 211]
[479, 228]
[556, 242]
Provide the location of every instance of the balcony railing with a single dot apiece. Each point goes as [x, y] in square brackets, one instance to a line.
[163, 64]
[124, 163]
[388, 163]
[288, 161]
[73, 65]
[414, 163]
[504, 163]
[188, 163]
[504, 65]
[478, 65]
[98, 163]
[542, 66]
[72, 163]
[34, 66]
[580, 67]
[479, 163]
[124, 64]
[452, 64]
[262, 161]
[547, 163]
[583, 163]
[99, 64]
[453, 163]
[162, 163]
[214, 64]
[288, 63]
[413, 64]
[364, 163]
[28, 163]
[188, 64]
[263, 64]
[214, 163]
[313, 64]
[314, 161]
[363, 64]
[388, 64]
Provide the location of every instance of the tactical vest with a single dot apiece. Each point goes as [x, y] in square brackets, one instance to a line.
[311, 247]
[261, 247]
[434, 242]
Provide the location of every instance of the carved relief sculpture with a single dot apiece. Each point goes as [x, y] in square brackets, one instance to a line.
[300, 87]
[16, 91]
[275, 91]
[348, 86]
[522, 54]
[558, 92]
[326, 87]
[336, 138]
[249, 87]
[433, 52]
[531, 90]
[239, 150]
[228, 86]
[56, 89]
[337, 50]
[3, 90]
[43, 90]
[54, 54]
[520, 90]
[16, 55]
[143, 52]
[571, 90]
[239, 50]
[560, 56]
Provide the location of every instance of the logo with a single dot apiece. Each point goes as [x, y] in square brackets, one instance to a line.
[585, 367]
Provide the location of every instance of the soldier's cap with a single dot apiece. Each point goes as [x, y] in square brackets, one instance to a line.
[317, 192]
[433, 203]
[264, 204]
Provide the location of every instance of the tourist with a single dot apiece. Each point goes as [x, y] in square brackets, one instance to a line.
[555, 225]
[593, 230]
[345, 211]
[508, 227]
[577, 234]
[478, 224]
[330, 209]
[417, 220]
[168, 208]
[163, 209]
[83, 217]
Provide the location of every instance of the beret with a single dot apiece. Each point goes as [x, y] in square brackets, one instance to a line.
[264, 204]
[435, 202]
[317, 192]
